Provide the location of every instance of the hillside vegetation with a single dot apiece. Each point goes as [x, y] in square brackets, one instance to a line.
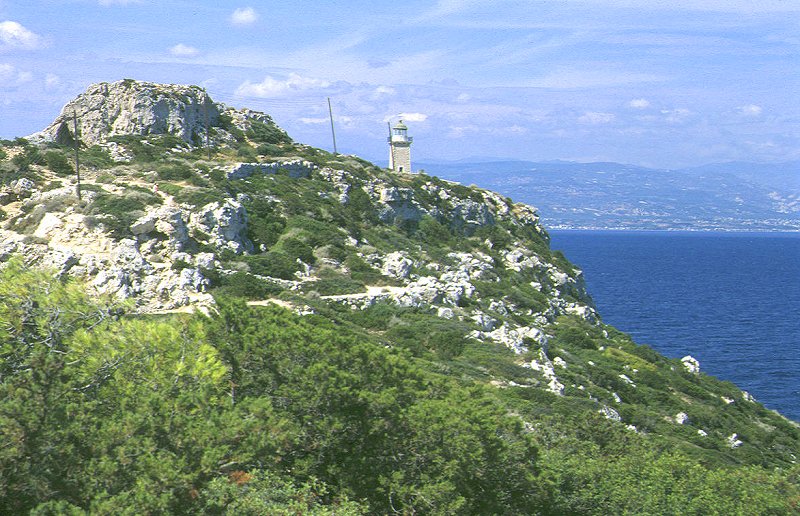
[261, 327]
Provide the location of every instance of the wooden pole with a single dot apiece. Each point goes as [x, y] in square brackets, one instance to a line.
[77, 159]
[208, 129]
[333, 133]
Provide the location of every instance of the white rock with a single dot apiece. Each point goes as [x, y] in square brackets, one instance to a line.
[558, 361]
[616, 397]
[733, 441]
[485, 322]
[445, 312]
[22, 185]
[545, 366]
[397, 265]
[610, 413]
[49, 223]
[226, 223]
[627, 380]
[681, 418]
[702, 433]
[691, 364]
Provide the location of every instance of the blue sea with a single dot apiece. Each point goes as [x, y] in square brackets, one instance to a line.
[731, 300]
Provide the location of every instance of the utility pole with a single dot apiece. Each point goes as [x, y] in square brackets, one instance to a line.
[208, 129]
[330, 112]
[77, 160]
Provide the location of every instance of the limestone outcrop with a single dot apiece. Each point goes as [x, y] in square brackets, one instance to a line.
[129, 107]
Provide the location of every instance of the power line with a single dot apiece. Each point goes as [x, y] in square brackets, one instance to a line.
[77, 159]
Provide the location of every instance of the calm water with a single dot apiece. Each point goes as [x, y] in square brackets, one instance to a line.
[731, 300]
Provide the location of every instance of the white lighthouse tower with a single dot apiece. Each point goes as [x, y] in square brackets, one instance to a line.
[400, 148]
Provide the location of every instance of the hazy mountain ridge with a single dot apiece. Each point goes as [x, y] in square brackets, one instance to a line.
[727, 196]
[395, 339]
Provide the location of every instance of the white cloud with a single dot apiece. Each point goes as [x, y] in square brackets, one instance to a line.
[6, 71]
[676, 115]
[314, 121]
[117, 2]
[52, 81]
[463, 97]
[271, 87]
[14, 35]
[407, 117]
[11, 76]
[181, 50]
[750, 110]
[639, 103]
[244, 16]
[595, 118]
[383, 90]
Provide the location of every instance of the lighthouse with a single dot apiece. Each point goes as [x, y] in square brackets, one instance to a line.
[400, 148]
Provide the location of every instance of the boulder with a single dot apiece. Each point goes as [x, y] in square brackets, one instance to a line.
[226, 223]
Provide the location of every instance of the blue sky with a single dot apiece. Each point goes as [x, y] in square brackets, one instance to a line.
[678, 83]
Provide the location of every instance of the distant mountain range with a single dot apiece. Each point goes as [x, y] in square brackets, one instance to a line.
[733, 196]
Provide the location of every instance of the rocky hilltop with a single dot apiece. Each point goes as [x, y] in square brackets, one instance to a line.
[458, 280]
[134, 108]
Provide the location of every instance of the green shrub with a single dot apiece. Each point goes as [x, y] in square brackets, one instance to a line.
[117, 213]
[3, 154]
[197, 196]
[295, 248]
[447, 344]
[259, 133]
[269, 149]
[95, 157]
[241, 284]
[175, 172]
[275, 264]
[29, 156]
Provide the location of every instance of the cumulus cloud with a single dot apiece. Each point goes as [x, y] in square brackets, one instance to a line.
[676, 115]
[413, 117]
[244, 16]
[384, 90]
[52, 81]
[595, 118]
[118, 2]
[639, 103]
[407, 117]
[272, 87]
[11, 76]
[181, 50]
[14, 35]
[750, 110]
[314, 121]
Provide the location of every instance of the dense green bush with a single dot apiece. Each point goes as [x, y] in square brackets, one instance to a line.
[118, 212]
[241, 284]
[275, 264]
[95, 157]
[58, 163]
[260, 133]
